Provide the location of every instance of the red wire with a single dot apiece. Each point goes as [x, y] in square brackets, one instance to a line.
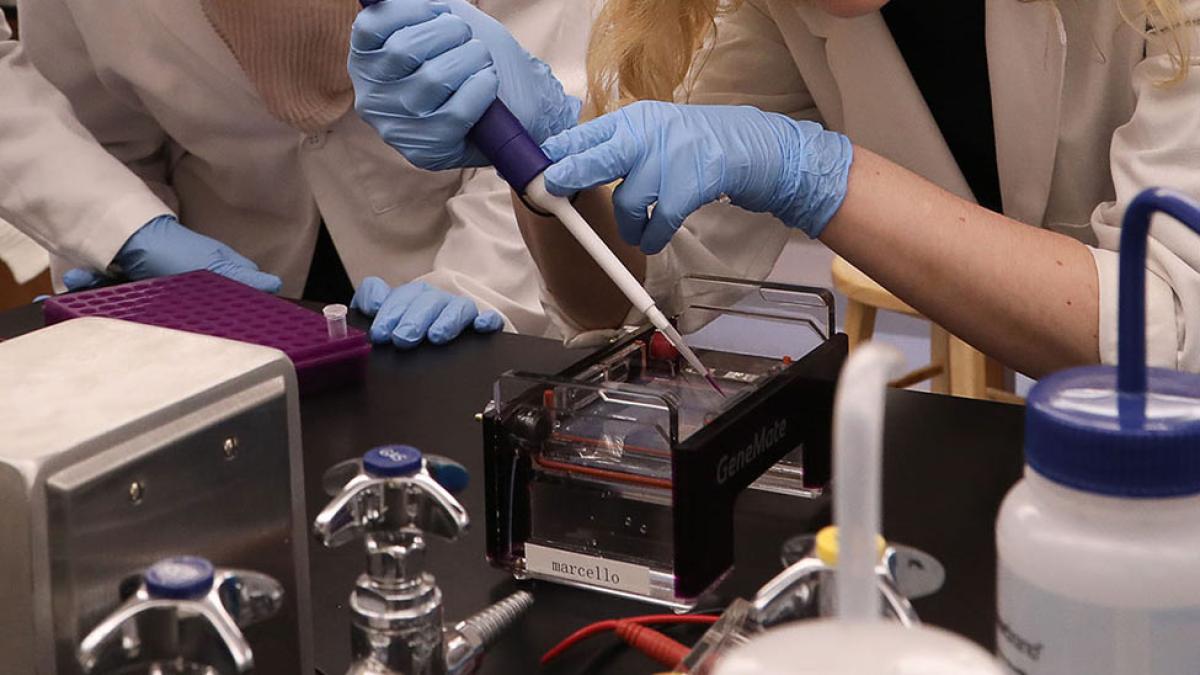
[611, 624]
[667, 651]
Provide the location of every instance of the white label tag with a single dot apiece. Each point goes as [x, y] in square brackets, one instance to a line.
[587, 569]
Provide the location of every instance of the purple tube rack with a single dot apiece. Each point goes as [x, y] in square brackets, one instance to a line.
[209, 304]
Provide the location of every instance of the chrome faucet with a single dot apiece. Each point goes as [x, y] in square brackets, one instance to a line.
[176, 599]
[804, 589]
[391, 500]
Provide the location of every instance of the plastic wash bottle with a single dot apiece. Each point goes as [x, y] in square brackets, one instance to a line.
[1099, 544]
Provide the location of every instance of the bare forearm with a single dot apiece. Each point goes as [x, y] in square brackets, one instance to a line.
[1026, 296]
[583, 291]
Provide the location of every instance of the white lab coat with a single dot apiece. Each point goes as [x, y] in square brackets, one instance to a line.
[158, 87]
[1081, 127]
[53, 172]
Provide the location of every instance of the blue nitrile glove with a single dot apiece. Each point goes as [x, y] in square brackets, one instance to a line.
[163, 247]
[424, 71]
[408, 314]
[681, 157]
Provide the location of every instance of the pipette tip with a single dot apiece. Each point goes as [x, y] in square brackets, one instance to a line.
[713, 381]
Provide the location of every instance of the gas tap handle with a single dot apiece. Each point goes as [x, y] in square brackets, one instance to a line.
[192, 588]
[106, 633]
[446, 518]
[344, 518]
[448, 473]
[393, 491]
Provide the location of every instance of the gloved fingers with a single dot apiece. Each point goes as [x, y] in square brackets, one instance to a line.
[375, 24]
[489, 322]
[450, 322]
[577, 139]
[224, 252]
[393, 307]
[414, 325]
[441, 142]
[250, 276]
[77, 279]
[467, 105]
[598, 165]
[369, 295]
[673, 207]
[631, 203]
[410, 47]
[229, 263]
[439, 78]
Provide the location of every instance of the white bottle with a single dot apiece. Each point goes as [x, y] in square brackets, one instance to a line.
[1099, 544]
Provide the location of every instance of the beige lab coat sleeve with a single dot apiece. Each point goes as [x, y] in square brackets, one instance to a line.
[1158, 147]
[484, 258]
[57, 185]
[747, 63]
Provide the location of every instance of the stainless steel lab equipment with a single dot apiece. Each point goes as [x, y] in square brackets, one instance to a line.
[122, 444]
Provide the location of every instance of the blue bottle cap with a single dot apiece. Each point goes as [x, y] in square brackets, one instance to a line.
[389, 461]
[1128, 431]
[180, 578]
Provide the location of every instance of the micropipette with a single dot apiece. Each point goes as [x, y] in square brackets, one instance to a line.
[501, 138]
[519, 160]
[608, 261]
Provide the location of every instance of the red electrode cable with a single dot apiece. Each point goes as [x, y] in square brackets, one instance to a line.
[656, 644]
[667, 651]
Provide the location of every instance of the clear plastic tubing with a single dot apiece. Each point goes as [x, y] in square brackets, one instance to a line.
[335, 320]
[857, 458]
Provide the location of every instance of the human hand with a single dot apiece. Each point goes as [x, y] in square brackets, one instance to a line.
[678, 158]
[163, 247]
[424, 72]
[408, 314]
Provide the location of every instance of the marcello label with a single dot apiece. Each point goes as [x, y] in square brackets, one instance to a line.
[587, 569]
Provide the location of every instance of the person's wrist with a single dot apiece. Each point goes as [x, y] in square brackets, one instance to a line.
[815, 172]
[135, 247]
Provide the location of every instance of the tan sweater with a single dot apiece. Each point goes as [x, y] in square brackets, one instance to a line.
[294, 51]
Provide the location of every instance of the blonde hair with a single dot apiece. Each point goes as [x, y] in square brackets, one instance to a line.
[1163, 21]
[645, 49]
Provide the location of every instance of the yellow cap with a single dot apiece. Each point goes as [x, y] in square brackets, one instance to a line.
[827, 545]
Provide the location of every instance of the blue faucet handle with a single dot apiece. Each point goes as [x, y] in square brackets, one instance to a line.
[180, 578]
[448, 473]
[392, 461]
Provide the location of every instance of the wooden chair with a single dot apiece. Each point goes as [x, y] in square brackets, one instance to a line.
[13, 294]
[955, 367]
